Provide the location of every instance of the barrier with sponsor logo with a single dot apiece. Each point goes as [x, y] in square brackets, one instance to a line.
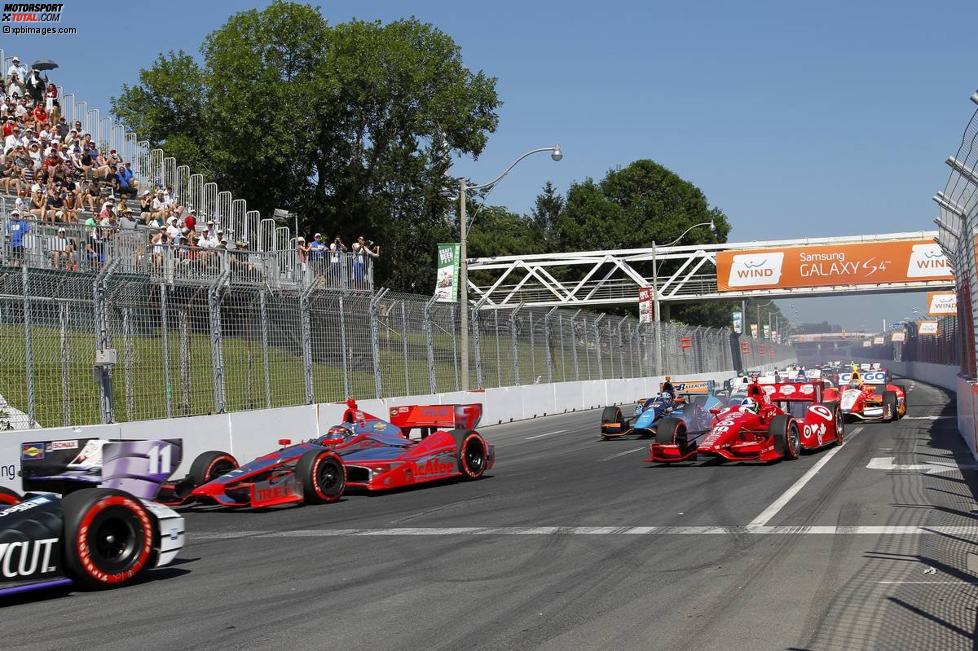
[942, 304]
[865, 263]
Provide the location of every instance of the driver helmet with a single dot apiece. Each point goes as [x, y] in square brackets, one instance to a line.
[854, 383]
[749, 405]
[338, 432]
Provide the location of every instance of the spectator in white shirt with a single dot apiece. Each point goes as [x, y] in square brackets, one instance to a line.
[172, 229]
[17, 69]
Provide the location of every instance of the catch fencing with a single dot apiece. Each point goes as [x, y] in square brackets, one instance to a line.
[111, 344]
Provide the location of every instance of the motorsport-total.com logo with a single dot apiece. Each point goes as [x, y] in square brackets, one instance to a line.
[32, 12]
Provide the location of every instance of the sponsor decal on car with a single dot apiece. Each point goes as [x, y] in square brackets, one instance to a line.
[433, 467]
[380, 426]
[819, 410]
[61, 445]
[31, 451]
[27, 558]
[26, 505]
[807, 389]
[817, 430]
[787, 389]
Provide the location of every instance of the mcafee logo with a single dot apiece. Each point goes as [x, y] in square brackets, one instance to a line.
[756, 269]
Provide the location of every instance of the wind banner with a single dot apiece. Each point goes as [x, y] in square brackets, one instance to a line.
[942, 304]
[826, 265]
[446, 282]
[738, 322]
[646, 305]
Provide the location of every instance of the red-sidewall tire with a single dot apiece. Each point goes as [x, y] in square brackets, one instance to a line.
[208, 466]
[473, 456]
[9, 497]
[322, 476]
[109, 537]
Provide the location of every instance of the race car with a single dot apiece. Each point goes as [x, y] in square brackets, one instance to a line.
[690, 401]
[869, 395]
[774, 421]
[363, 452]
[100, 537]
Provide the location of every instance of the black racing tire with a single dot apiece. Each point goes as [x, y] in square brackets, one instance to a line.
[322, 476]
[609, 415]
[840, 422]
[108, 537]
[671, 431]
[787, 441]
[889, 406]
[906, 399]
[208, 466]
[9, 497]
[472, 455]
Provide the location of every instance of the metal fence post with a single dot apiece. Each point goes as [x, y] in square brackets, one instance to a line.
[346, 373]
[476, 348]
[215, 295]
[533, 352]
[429, 345]
[546, 345]
[65, 351]
[404, 348]
[263, 327]
[516, 352]
[165, 343]
[184, 325]
[621, 346]
[28, 345]
[375, 341]
[128, 356]
[597, 344]
[577, 369]
[102, 341]
[452, 326]
[305, 327]
[499, 361]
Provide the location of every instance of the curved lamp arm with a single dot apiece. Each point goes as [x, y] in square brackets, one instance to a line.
[556, 154]
[712, 226]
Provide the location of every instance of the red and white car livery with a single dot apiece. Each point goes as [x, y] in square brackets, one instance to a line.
[776, 421]
[871, 396]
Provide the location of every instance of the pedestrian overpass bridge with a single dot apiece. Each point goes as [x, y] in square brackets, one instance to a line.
[894, 262]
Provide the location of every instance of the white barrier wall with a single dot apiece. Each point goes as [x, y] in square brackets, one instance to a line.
[248, 434]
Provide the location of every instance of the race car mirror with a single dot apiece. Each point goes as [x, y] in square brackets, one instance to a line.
[285, 441]
[714, 410]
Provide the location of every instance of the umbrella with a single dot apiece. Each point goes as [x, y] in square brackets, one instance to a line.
[44, 64]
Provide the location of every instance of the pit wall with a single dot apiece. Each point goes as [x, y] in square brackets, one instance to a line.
[947, 377]
[248, 434]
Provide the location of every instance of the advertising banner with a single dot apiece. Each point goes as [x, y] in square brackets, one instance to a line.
[942, 304]
[646, 305]
[767, 331]
[867, 343]
[446, 282]
[927, 328]
[898, 337]
[826, 265]
[879, 341]
[738, 322]
[753, 330]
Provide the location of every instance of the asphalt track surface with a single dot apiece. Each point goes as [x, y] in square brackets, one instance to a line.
[575, 543]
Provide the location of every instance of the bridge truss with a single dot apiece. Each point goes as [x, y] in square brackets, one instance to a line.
[682, 273]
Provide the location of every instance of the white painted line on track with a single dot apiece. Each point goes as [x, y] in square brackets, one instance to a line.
[765, 516]
[782, 530]
[621, 454]
[540, 436]
[928, 417]
[926, 582]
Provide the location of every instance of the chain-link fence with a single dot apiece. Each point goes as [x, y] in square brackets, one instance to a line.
[941, 347]
[91, 346]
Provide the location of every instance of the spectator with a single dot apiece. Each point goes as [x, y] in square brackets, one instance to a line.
[362, 252]
[336, 250]
[62, 250]
[172, 230]
[190, 221]
[146, 206]
[51, 100]
[127, 180]
[17, 229]
[18, 70]
[38, 204]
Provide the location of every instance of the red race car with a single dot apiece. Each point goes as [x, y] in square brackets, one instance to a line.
[774, 421]
[870, 395]
[362, 452]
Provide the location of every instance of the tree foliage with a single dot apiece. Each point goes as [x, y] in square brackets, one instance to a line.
[352, 126]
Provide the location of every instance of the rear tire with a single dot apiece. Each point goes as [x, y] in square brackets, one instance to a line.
[840, 422]
[322, 476]
[906, 401]
[787, 441]
[208, 466]
[889, 406]
[672, 431]
[473, 456]
[108, 539]
[8, 497]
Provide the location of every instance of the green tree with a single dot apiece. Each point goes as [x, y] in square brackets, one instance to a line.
[352, 126]
[547, 209]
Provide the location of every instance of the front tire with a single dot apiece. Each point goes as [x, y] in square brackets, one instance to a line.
[108, 537]
[322, 476]
[208, 466]
[889, 406]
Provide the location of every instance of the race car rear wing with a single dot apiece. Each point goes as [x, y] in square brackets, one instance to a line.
[694, 387]
[869, 377]
[795, 391]
[442, 416]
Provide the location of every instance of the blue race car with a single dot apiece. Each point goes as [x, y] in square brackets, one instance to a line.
[689, 401]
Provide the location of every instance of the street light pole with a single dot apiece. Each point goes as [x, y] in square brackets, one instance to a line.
[463, 227]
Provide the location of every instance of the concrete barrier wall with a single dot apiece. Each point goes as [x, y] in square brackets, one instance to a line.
[248, 434]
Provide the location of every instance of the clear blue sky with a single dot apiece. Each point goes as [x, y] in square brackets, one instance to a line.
[826, 118]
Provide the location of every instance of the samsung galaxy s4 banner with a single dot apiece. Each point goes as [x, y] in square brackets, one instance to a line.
[827, 265]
